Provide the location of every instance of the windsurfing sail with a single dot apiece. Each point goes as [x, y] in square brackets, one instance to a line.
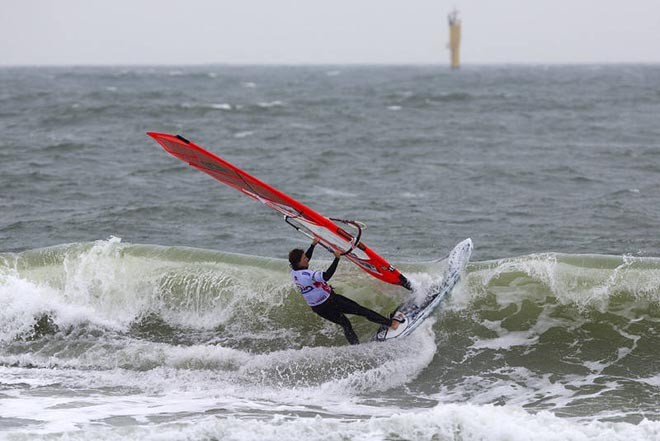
[345, 238]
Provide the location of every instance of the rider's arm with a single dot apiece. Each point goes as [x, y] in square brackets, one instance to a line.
[310, 250]
[333, 266]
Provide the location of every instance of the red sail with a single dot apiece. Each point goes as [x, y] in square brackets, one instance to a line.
[300, 216]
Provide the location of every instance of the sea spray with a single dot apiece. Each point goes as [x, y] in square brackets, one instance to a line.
[549, 333]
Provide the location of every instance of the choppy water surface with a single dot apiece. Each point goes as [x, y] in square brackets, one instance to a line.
[141, 299]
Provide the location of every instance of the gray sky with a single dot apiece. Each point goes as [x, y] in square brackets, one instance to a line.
[60, 32]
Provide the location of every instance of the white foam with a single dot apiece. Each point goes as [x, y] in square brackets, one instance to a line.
[584, 281]
[152, 382]
[241, 135]
[652, 381]
[104, 285]
[270, 104]
[443, 422]
[193, 381]
[507, 340]
[24, 302]
[221, 106]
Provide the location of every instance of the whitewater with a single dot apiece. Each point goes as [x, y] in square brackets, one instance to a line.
[140, 299]
[108, 339]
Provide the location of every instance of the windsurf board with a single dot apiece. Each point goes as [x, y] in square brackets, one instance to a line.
[416, 311]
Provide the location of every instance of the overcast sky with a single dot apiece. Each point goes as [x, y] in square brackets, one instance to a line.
[61, 32]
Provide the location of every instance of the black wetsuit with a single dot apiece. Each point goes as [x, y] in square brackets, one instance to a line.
[336, 306]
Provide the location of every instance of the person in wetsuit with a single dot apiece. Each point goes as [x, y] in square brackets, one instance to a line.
[324, 301]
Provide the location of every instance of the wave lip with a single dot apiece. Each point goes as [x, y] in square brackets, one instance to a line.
[571, 334]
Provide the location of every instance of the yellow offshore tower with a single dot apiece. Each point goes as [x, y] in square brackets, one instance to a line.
[454, 38]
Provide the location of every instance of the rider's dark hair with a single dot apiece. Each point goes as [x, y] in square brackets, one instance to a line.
[294, 257]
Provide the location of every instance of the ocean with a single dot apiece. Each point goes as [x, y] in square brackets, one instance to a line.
[141, 299]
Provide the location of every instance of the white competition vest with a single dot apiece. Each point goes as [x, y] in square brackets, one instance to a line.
[314, 289]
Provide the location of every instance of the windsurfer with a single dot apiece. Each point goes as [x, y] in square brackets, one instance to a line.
[322, 298]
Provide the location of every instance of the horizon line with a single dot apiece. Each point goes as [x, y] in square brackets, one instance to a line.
[339, 64]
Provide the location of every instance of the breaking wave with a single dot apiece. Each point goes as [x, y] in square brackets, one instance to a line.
[575, 335]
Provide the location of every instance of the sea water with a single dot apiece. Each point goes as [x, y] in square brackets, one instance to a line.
[140, 299]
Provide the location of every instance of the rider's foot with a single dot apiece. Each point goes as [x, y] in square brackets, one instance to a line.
[397, 319]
